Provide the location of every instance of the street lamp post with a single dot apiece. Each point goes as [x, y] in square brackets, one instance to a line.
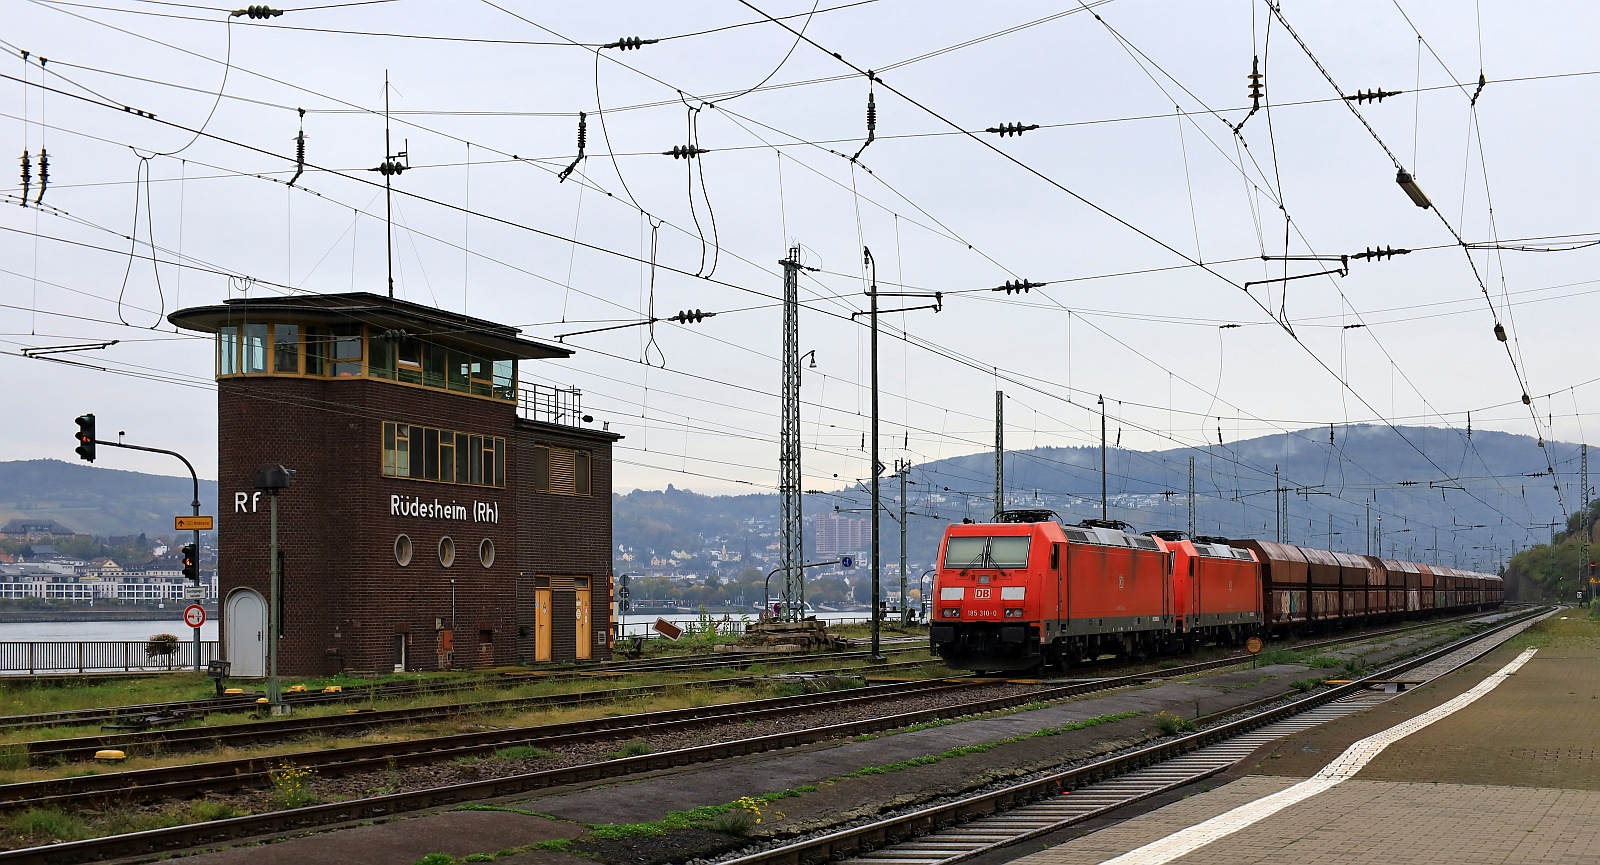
[273, 479]
[766, 591]
[927, 602]
[877, 465]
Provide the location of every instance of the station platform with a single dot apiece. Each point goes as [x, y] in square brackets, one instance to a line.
[1511, 777]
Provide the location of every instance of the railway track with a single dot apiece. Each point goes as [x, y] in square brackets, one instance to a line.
[972, 826]
[47, 752]
[298, 819]
[399, 690]
[181, 781]
[156, 841]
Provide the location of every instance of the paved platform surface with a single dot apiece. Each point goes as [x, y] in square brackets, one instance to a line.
[1511, 778]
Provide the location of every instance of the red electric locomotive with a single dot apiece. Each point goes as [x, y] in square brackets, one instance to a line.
[1026, 591]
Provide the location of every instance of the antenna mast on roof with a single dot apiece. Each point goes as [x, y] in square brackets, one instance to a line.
[390, 166]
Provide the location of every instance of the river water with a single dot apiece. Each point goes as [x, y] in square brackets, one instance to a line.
[72, 632]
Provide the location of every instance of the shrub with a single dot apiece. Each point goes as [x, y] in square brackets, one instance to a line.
[161, 646]
[1305, 684]
[291, 785]
[1172, 724]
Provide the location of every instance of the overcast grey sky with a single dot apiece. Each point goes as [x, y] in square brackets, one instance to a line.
[1134, 177]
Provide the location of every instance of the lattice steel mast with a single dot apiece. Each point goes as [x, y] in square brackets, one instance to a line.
[791, 526]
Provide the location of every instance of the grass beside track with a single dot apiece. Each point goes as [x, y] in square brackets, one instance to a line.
[13, 764]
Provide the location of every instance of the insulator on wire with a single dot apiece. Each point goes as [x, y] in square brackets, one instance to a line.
[583, 139]
[1256, 79]
[44, 174]
[1006, 129]
[872, 117]
[27, 176]
[1372, 95]
[1381, 253]
[256, 12]
[691, 316]
[1482, 82]
[1499, 331]
[1012, 286]
[684, 151]
[630, 43]
[299, 150]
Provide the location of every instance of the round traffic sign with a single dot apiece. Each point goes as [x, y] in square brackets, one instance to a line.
[1253, 645]
[194, 615]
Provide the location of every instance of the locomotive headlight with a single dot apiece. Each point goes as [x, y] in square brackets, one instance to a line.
[1012, 613]
[952, 613]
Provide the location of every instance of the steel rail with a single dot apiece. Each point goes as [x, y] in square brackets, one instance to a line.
[157, 841]
[393, 690]
[278, 822]
[146, 785]
[50, 751]
[843, 843]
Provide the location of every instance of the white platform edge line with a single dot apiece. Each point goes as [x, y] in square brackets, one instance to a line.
[1340, 770]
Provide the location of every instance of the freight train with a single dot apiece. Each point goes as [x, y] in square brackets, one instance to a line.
[1028, 592]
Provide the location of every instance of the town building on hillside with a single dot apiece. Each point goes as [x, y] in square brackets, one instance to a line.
[33, 530]
[79, 583]
[839, 535]
[442, 512]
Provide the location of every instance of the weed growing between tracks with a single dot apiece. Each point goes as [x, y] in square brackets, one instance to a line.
[52, 826]
[965, 750]
[291, 785]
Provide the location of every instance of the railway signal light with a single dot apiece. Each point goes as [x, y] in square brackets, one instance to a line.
[191, 562]
[85, 437]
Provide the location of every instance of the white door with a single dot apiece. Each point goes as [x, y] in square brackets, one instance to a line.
[245, 623]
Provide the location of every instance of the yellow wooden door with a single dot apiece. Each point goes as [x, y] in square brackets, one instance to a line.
[585, 638]
[541, 625]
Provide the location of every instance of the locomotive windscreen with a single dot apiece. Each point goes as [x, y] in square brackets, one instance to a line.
[986, 552]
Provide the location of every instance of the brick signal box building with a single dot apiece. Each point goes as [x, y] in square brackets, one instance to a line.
[441, 514]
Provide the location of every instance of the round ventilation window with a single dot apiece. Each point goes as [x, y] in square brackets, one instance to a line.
[486, 553]
[447, 552]
[402, 551]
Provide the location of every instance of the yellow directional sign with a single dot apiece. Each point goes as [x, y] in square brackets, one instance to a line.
[192, 524]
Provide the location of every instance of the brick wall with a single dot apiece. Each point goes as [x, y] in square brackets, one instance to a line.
[345, 595]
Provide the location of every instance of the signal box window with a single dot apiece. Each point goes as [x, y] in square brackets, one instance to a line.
[562, 471]
[253, 357]
[448, 456]
[286, 348]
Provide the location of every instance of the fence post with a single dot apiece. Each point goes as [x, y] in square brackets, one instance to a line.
[80, 656]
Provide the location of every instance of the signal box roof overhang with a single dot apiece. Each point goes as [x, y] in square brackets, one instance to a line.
[375, 311]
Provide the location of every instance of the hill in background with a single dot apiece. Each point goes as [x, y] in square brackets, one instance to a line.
[97, 501]
[1436, 489]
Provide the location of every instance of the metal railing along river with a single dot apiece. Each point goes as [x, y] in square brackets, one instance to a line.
[100, 656]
